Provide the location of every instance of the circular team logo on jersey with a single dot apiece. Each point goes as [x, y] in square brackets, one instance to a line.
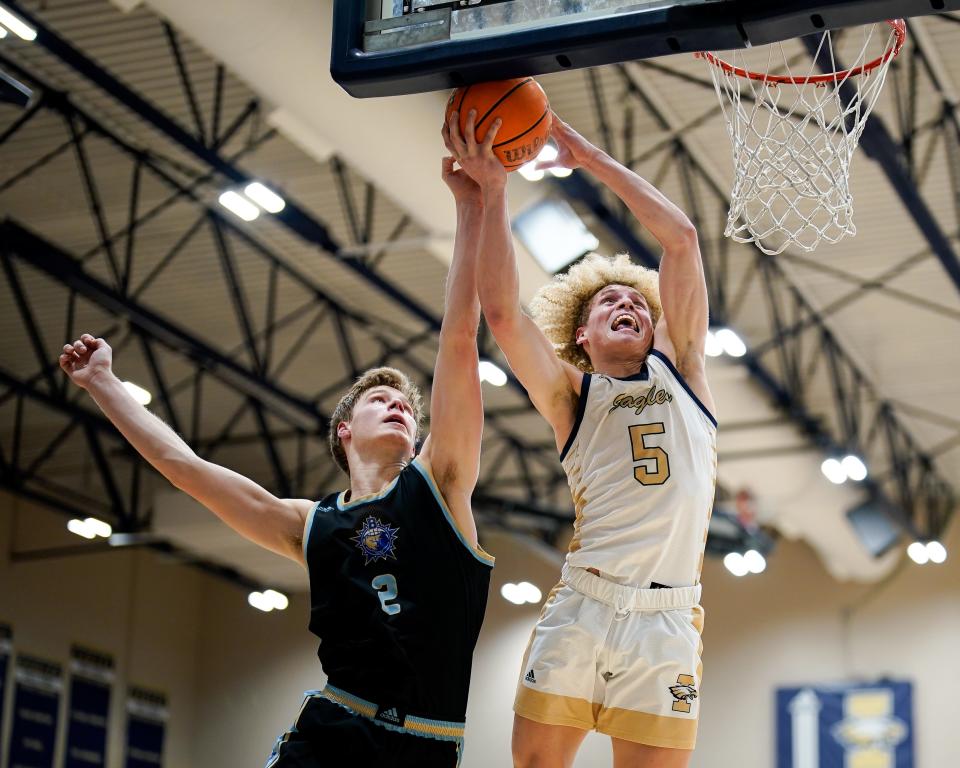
[376, 540]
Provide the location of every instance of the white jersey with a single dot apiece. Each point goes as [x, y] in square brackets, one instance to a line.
[642, 465]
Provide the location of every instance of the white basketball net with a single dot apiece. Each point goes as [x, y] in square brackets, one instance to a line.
[794, 136]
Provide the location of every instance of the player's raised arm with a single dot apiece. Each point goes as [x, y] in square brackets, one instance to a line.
[552, 384]
[682, 331]
[252, 511]
[452, 450]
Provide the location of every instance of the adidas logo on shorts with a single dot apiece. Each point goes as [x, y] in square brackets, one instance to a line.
[530, 677]
[390, 715]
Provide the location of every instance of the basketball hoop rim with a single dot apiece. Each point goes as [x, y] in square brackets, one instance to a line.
[900, 34]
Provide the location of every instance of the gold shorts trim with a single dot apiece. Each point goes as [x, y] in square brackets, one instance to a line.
[639, 727]
[554, 709]
[644, 728]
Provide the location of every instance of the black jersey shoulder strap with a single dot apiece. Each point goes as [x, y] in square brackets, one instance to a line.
[423, 469]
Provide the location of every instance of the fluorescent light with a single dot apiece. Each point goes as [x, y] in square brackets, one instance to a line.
[98, 527]
[277, 599]
[854, 467]
[265, 197]
[834, 471]
[139, 394]
[918, 553]
[492, 373]
[553, 233]
[713, 346]
[755, 562]
[530, 592]
[80, 528]
[530, 172]
[936, 552]
[239, 205]
[16, 25]
[561, 173]
[735, 564]
[732, 344]
[3, 33]
[260, 601]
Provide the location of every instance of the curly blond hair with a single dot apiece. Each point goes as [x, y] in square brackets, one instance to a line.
[375, 377]
[563, 304]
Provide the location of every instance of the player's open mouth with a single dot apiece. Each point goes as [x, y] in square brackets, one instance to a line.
[625, 322]
[395, 420]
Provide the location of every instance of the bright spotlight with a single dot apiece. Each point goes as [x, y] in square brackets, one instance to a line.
[732, 344]
[265, 197]
[513, 593]
[260, 601]
[492, 373]
[833, 470]
[531, 594]
[854, 467]
[80, 528]
[98, 527]
[561, 173]
[735, 564]
[548, 154]
[139, 394]
[713, 346]
[239, 205]
[277, 599]
[17, 25]
[755, 562]
[530, 172]
[918, 552]
[936, 552]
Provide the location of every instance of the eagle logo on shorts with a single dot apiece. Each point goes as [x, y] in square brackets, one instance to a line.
[377, 540]
[684, 692]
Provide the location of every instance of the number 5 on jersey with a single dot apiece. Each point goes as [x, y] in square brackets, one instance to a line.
[386, 586]
[647, 453]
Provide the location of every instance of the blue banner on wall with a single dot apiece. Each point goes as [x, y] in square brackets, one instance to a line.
[6, 645]
[146, 727]
[36, 702]
[88, 713]
[845, 725]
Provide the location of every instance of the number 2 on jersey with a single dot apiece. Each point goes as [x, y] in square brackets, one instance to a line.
[644, 452]
[386, 586]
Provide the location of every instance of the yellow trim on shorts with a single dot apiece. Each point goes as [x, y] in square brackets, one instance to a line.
[553, 709]
[644, 728]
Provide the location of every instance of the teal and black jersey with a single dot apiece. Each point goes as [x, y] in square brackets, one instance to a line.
[397, 598]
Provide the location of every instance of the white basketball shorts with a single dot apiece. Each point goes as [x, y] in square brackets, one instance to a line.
[617, 659]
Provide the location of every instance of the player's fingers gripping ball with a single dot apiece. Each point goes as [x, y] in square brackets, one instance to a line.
[524, 112]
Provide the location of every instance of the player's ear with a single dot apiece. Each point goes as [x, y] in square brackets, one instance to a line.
[581, 336]
[343, 430]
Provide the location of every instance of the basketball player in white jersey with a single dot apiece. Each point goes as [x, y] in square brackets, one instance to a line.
[615, 364]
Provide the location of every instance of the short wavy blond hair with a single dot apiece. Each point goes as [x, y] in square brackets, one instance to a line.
[375, 377]
[563, 304]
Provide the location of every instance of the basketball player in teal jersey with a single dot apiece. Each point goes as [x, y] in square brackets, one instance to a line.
[398, 582]
[615, 364]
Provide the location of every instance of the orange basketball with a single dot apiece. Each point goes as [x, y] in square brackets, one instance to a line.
[522, 106]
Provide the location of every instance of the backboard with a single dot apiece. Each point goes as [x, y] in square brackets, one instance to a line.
[392, 47]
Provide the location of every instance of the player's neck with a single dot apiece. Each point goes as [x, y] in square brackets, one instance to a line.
[619, 368]
[371, 477]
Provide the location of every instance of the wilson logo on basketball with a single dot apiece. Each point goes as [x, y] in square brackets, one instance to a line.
[523, 153]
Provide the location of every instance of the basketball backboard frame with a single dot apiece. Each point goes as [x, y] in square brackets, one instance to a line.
[687, 27]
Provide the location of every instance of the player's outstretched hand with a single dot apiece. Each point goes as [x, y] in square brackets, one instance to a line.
[476, 158]
[573, 150]
[465, 190]
[86, 359]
